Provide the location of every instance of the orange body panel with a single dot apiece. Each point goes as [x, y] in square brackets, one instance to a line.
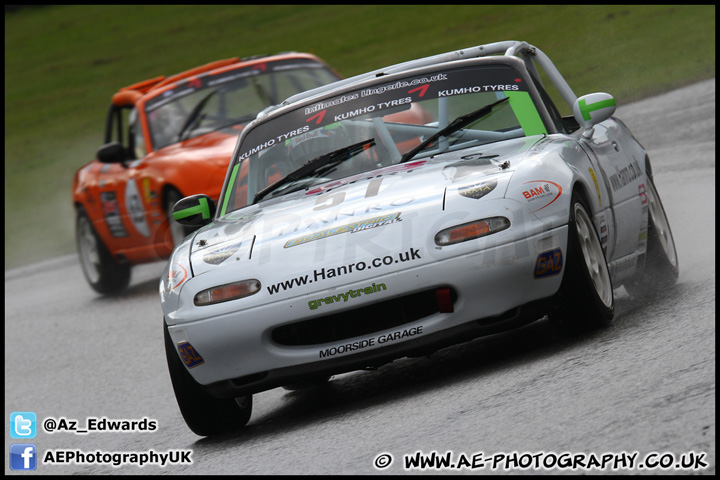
[126, 202]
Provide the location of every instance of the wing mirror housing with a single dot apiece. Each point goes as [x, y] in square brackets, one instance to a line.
[589, 110]
[194, 211]
[112, 152]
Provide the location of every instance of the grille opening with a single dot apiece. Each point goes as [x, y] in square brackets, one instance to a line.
[364, 320]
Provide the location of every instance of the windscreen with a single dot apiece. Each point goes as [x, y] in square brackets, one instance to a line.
[387, 120]
[212, 102]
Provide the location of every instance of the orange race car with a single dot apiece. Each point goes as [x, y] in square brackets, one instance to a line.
[165, 139]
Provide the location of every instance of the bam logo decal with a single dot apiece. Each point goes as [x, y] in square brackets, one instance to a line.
[541, 193]
[548, 264]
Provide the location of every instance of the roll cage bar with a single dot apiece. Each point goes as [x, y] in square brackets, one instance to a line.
[523, 50]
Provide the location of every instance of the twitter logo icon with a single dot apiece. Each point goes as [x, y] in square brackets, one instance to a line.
[23, 425]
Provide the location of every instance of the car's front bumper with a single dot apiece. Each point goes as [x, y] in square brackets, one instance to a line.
[239, 354]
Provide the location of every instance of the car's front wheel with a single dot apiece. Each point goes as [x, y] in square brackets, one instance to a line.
[585, 299]
[204, 414]
[101, 270]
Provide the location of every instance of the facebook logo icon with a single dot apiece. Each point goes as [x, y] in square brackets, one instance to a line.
[23, 456]
[23, 424]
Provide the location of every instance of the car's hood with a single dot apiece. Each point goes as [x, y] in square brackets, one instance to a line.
[325, 222]
[214, 147]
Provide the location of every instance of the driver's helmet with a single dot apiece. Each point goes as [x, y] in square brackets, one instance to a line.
[305, 147]
[165, 124]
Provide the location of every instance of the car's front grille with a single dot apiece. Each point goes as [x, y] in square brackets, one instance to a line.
[365, 320]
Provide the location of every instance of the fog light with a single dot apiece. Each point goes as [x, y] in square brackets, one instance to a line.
[230, 291]
[471, 230]
[444, 300]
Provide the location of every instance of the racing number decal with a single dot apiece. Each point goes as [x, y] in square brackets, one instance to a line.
[135, 208]
[334, 199]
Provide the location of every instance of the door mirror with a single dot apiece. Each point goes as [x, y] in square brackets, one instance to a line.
[589, 110]
[194, 211]
[112, 152]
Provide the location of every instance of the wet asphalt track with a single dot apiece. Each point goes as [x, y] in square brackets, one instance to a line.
[646, 384]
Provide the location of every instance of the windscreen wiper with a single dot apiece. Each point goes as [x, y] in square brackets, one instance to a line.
[327, 160]
[194, 114]
[453, 126]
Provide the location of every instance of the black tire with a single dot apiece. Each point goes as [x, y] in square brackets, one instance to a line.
[661, 261]
[101, 271]
[177, 232]
[585, 299]
[204, 414]
[315, 383]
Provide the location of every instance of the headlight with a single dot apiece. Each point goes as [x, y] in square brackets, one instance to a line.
[471, 230]
[224, 293]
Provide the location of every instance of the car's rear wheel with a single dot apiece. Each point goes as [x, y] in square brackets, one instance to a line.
[101, 270]
[585, 299]
[204, 414]
[661, 261]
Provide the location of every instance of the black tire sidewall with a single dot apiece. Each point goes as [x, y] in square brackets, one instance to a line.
[578, 305]
[204, 414]
[659, 272]
[114, 277]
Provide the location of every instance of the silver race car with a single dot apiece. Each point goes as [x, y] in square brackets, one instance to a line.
[401, 211]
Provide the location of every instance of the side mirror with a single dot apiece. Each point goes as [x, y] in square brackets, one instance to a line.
[194, 211]
[112, 152]
[589, 110]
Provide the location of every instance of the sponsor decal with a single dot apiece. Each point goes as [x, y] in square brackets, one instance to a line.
[330, 103]
[216, 257]
[597, 185]
[148, 192]
[477, 89]
[346, 296]
[642, 194]
[111, 212]
[621, 265]
[175, 277]
[372, 341]
[548, 264]
[541, 193]
[423, 82]
[624, 176]
[603, 233]
[478, 190]
[190, 357]
[348, 228]
[135, 208]
[324, 273]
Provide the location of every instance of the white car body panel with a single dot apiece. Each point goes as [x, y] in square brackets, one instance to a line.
[310, 264]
